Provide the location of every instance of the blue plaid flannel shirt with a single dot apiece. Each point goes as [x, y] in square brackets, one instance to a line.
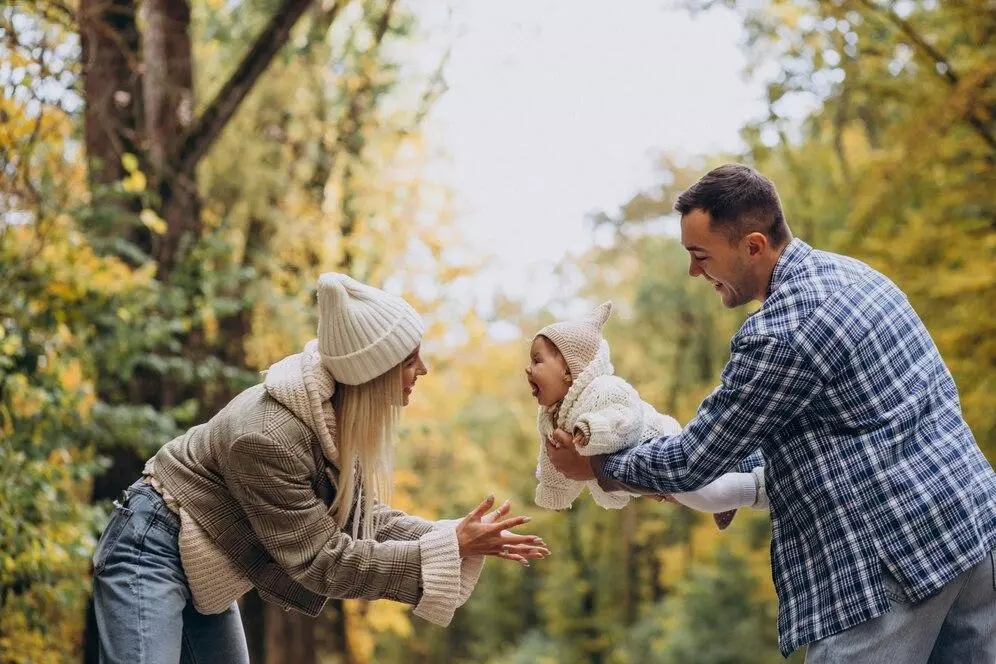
[835, 386]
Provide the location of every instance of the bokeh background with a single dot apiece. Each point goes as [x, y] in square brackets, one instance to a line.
[174, 174]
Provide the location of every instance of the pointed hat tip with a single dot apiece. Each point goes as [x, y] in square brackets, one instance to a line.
[332, 284]
[602, 312]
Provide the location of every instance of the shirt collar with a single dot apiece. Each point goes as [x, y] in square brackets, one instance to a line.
[793, 252]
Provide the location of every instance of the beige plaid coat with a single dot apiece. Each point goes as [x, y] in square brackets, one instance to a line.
[253, 487]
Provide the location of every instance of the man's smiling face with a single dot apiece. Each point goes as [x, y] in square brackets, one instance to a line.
[726, 265]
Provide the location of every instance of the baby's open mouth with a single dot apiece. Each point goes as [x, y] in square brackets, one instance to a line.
[534, 387]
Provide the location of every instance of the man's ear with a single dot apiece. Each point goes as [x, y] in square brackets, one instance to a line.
[757, 243]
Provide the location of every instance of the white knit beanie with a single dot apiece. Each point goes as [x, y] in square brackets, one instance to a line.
[578, 340]
[363, 331]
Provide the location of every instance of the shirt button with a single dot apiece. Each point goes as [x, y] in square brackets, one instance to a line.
[615, 474]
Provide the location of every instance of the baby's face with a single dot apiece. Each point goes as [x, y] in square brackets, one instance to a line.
[547, 372]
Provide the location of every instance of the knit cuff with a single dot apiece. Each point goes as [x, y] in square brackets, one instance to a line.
[760, 499]
[440, 576]
[556, 498]
[747, 488]
[470, 567]
[602, 437]
[583, 426]
[611, 501]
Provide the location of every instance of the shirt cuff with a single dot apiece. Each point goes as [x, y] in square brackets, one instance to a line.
[600, 465]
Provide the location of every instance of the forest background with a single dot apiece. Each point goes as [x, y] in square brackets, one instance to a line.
[175, 174]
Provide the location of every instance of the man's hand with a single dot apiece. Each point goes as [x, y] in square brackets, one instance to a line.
[563, 454]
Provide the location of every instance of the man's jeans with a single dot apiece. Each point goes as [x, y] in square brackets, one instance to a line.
[140, 594]
[955, 626]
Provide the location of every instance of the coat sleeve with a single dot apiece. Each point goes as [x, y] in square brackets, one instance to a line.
[273, 487]
[394, 525]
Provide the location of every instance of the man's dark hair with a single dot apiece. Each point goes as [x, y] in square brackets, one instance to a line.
[739, 201]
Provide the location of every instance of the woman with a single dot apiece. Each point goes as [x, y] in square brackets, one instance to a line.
[285, 490]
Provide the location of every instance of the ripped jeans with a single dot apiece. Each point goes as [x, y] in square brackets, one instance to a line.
[141, 598]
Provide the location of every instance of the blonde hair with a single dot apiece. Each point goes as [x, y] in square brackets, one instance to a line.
[366, 425]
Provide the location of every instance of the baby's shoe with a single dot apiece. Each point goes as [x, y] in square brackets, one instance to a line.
[724, 519]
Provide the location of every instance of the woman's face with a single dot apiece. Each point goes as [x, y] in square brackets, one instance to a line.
[411, 368]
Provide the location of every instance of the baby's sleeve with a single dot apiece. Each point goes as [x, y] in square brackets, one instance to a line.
[612, 416]
[554, 491]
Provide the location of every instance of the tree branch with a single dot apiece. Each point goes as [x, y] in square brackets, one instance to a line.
[939, 60]
[221, 109]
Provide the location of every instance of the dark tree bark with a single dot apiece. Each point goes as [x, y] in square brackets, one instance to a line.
[111, 85]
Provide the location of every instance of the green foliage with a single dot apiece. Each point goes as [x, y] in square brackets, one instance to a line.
[55, 300]
[714, 617]
[895, 166]
[323, 168]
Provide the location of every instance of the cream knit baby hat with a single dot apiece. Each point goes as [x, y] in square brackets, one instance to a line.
[578, 340]
[363, 331]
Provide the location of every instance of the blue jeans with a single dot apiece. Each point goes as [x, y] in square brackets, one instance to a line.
[955, 626]
[141, 598]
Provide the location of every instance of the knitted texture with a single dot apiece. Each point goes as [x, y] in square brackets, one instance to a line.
[363, 331]
[578, 340]
[214, 580]
[611, 415]
[303, 385]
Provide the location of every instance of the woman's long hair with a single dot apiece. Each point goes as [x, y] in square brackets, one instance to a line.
[366, 425]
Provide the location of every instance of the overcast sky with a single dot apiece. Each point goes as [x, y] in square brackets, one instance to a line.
[556, 108]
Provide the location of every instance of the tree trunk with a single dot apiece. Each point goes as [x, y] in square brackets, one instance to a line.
[169, 103]
[111, 86]
[151, 116]
[586, 631]
[288, 637]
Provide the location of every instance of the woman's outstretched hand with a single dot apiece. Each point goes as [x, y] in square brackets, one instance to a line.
[481, 534]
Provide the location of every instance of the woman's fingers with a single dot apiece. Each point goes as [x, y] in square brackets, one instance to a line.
[506, 555]
[502, 510]
[508, 524]
[528, 550]
[512, 538]
[485, 505]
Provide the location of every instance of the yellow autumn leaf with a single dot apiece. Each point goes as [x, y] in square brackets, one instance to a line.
[209, 323]
[130, 162]
[134, 183]
[153, 221]
[72, 375]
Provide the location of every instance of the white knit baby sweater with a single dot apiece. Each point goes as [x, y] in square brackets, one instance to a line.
[611, 415]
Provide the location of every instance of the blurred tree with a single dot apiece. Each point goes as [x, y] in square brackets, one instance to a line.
[894, 163]
[189, 333]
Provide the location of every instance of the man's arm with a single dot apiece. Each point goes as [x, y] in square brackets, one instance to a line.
[755, 460]
[765, 385]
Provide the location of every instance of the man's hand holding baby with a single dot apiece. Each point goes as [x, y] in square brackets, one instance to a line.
[561, 447]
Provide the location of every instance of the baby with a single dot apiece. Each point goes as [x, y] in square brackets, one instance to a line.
[572, 378]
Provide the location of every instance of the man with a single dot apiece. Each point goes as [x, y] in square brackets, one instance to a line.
[883, 507]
